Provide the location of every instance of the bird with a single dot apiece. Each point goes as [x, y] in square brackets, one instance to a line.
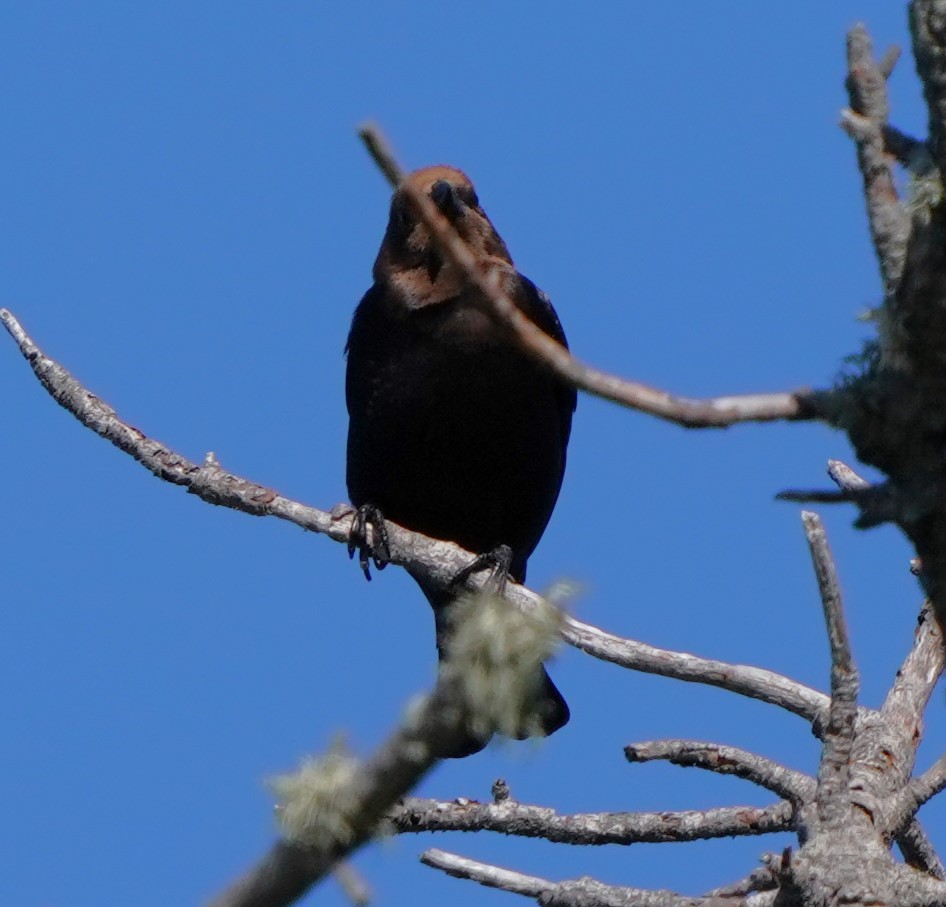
[454, 432]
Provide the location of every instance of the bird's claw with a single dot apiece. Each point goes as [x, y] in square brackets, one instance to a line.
[371, 544]
[498, 560]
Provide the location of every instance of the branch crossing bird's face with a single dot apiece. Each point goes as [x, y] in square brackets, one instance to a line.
[407, 250]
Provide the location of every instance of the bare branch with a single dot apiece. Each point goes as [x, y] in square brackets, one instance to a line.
[918, 852]
[834, 771]
[579, 893]
[867, 92]
[511, 818]
[717, 412]
[888, 62]
[880, 503]
[916, 679]
[381, 153]
[726, 760]
[845, 477]
[756, 683]
[902, 710]
[815, 496]
[485, 874]
[930, 783]
[353, 886]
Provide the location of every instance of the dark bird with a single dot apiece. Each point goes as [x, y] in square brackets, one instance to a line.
[453, 431]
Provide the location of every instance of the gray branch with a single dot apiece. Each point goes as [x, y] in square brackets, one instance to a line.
[756, 683]
[511, 818]
[793, 786]
[867, 93]
[834, 770]
[578, 893]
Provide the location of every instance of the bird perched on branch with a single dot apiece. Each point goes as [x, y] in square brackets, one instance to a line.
[453, 431]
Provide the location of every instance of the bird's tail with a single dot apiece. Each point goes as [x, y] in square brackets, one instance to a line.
[546, 712]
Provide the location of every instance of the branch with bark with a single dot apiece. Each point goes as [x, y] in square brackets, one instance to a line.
[416, 815]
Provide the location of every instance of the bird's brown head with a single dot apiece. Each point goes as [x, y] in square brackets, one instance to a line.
[408, 255]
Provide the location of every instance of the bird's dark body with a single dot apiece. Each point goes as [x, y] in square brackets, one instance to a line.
[453, 431]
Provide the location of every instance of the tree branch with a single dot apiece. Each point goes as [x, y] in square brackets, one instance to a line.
[756, 683]
[485, 874]
[832, 799]
[867, 91]
[917, 677]
[929, 784]
[727, 760]
[510, 818]
[716, 412]
[918, 852]
[578, 893]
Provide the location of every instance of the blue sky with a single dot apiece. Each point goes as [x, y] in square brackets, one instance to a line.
[190, 223]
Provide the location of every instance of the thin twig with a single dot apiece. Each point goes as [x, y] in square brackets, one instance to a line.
[930, 783]
[717, 412]
[878, 503]
[485, 874]
[834, 771]
[578, 893]
[416, 815]
[353, 886]
[380, 151]
[726, 760]
[845, 477]
[746, 680]
[815, 496]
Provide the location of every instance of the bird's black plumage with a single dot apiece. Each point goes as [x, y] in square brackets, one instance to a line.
[453, 431]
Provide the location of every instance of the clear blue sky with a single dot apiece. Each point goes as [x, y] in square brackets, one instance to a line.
[190, 221]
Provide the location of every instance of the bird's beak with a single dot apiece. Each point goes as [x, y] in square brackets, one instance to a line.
[446, 199]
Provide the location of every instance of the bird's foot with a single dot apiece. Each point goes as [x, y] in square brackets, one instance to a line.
[497, 560]
[371, 544]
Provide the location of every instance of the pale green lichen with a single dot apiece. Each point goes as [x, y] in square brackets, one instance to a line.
[496, 652]
[315, 802]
